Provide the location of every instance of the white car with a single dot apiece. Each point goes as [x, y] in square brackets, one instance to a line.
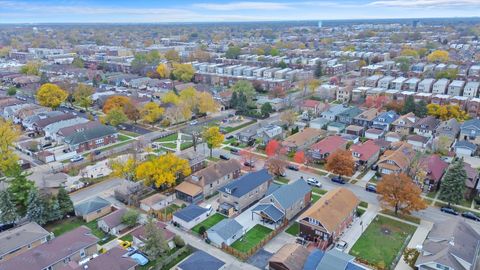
[193, 123]
[314, 182]
[76, 158]
[341, 245]
[209, 208]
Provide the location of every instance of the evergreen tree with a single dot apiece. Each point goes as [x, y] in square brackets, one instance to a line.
[8, 211]
[54, 211]
[19, 187]
[421, 109]
[242, 102]
[234, 100]
[155, 244]
[64, 201]
[36, 210]
[44, 78]
[409, 105]
[453, 184]
[318, 70]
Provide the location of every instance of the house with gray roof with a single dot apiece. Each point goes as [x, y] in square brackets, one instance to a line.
[331, 260]
[470, 131]
[346, 117]
[452, 244]
[52, 129]
[20, 239]
[190, 216]
[332, 112]
[449, 128]
[285, 202]
[93, 208]
[115, 258]
[92, 138]
[201, 260]
[244, 191]
[225, 232]
[384, 120]
[465, 148]
[73, 246]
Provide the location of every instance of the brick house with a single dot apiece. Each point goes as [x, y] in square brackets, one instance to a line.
[322, 149]
[20, 239]
[328, 217]
[303, 139]
[396, 160]
[89, 139]
[365, 154]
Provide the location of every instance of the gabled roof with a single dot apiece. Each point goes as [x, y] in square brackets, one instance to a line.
[226, 228]
[332, 208]
[91, 205]
[402, 155]
[270, 210]
[366, 150]
[90, 134]
[112, 259]
[293, 256]
[434, 166]
[201, 260]
[299, 138]
[115, 218]
[190, 212]
[329, 144]
[429, 122]
[55, 250]
[471, 124]
[140, 231]
[21, 236]
[287, 195]
[216, 171]
[465, 144]
[246, 183]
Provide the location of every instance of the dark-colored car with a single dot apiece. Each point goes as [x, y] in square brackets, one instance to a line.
[224, 157]
[97, 152]
[338, 179]
[471, 216]
[293, 167]
[234, 151]
[229, 137]
[449, 210]
[4, 227]
[371, 188]
[249, 164]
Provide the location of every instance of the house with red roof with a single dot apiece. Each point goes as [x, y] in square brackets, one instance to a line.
[365, 154]
[314, 107]
[322, 149]
[434, 167]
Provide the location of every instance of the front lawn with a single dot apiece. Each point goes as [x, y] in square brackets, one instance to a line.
[282, 180]
[382, 241]
[294, 229]
[130, 133]
[315, 198]
[252, 238]
[123, 138]
[127, 237]
[209, 222]
[169, 138]
[319, 190]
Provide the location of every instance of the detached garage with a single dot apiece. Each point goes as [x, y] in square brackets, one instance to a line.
[190, 216]
[465, 148]
[226, 231]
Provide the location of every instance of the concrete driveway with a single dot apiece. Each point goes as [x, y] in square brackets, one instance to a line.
[248, 220]
[279, 241]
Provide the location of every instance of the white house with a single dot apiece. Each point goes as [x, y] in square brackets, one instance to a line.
[190, 216]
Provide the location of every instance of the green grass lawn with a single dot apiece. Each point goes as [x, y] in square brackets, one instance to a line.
[186, 145]
[360, 211]
[315, 198]
[130, 133]
[209, 222]
[382, 241]
[282, 180]
[294, 229]
[170, 145]
[401, 216]
[122, 138]
[63, 226]
[127, 237]
[172, 137]
[363, 204]
[170, 209]
[252, 238]
[319, 190]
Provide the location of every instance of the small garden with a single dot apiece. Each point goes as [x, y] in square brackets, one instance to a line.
[252, 238]
[382, 242]
[294, 229]
[201, 227]
[66, 225]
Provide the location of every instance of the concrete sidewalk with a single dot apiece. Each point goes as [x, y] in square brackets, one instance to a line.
[417, 239]
[359, 226]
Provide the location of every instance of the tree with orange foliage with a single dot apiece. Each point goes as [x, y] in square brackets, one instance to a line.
[341, 162]
[272, 148]
[299, 157]
[399, 192]
[115, 102]
[375, 102]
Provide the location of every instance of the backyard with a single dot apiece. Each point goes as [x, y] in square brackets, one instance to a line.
[252, 238]
[382, 241]
[209, 222]
[294, 229]
[63, 226]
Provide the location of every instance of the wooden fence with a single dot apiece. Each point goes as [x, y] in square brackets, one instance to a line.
[245, 255]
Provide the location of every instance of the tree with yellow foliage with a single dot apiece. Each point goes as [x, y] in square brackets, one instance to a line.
[124, 168]
[151, 112]
[183, 72]
[172, 55]
[50, 95]
[206, 103]
[213, 137]
[83, 95]
[407, 51]
[31, 68]
[163, 170]
[163, 71]
[116, 102]
[9, 133]
[446, 112]
[171, 97]
[438, 56]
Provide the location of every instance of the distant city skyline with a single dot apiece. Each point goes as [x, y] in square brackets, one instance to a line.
[148, 11]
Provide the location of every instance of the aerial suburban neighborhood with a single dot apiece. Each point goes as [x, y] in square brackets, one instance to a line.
[227, 141]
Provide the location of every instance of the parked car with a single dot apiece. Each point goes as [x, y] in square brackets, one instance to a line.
[371, 188]
[282, 173]
[293, 167]
[209, 208]
[341, 245]
[76, 158]
[7, 226]
[449, 210]
[97, 152]
[234, 151]
[193, 123]
[314, 182]
[224, 157]
[338, 179]
[249, 164]
[122, 127]
[82, 111]
[471, 216]
[229, 137]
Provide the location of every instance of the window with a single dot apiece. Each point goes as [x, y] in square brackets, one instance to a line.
[66, 260]
[99, 141]
[82, 253]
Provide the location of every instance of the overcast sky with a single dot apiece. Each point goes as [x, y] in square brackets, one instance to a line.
[33, 11]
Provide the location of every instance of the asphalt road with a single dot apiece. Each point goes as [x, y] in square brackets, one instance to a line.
[99, 189]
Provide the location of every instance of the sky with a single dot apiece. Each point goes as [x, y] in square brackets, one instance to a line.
[151, 11]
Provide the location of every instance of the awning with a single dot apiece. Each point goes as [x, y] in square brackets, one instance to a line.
[189, 189]
[270, 211]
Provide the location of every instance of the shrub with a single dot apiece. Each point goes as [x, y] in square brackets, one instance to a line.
[178, 241]
[202, 230]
